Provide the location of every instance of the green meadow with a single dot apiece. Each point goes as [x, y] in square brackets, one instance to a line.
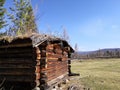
[98, 74]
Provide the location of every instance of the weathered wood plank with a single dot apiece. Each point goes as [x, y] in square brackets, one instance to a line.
[23, 70]
[18, 78]
[8, 60]
[14, 66]
[15, 73]
[16, 55]
[16, 45]
[16, 51]
[57, 79]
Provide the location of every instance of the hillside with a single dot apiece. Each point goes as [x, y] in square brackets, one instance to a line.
[101, 53]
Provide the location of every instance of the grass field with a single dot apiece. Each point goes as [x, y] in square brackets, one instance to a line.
[101, 74]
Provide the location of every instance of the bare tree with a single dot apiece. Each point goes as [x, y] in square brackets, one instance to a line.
[76, 55]
[76, 47]
[65, 35]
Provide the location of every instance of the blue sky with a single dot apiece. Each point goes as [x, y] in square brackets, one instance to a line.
[92, 24]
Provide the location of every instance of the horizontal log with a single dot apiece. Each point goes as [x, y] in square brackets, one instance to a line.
[23, 70]
[15, 73]
[56, 73]
[45, 69]
[16, 45]
[59, 64]
[50, 70]
[56, 66]
[17, 55]
[57, 69]
[55, 51]
[52, 58]
[55, 55]
[15, 66]
[6, 63]
[18, 78]
[15, 51]
[16, 61]
[55, 60]
[57, 79]
[56, 46]
[53, 76]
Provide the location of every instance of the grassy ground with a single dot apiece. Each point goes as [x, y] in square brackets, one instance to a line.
[101, 74]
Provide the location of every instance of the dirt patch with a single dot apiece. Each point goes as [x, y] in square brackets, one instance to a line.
[73, 84]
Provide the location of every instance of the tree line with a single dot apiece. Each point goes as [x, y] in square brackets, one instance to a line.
[98, 54]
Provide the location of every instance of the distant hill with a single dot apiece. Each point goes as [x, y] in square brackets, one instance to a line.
[101, 50]
[101, 53]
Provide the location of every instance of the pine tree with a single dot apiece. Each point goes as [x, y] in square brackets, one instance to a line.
[22, 18]
[2, 12]
[30, 20]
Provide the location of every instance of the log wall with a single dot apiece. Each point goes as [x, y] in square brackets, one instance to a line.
[21, 62]
[57, 61]
[18, 63]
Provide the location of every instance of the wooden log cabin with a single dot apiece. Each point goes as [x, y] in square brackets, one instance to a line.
[33, 61]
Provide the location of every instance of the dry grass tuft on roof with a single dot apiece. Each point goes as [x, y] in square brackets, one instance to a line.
[33, 35]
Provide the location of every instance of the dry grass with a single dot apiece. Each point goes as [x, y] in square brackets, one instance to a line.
[98, 74]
